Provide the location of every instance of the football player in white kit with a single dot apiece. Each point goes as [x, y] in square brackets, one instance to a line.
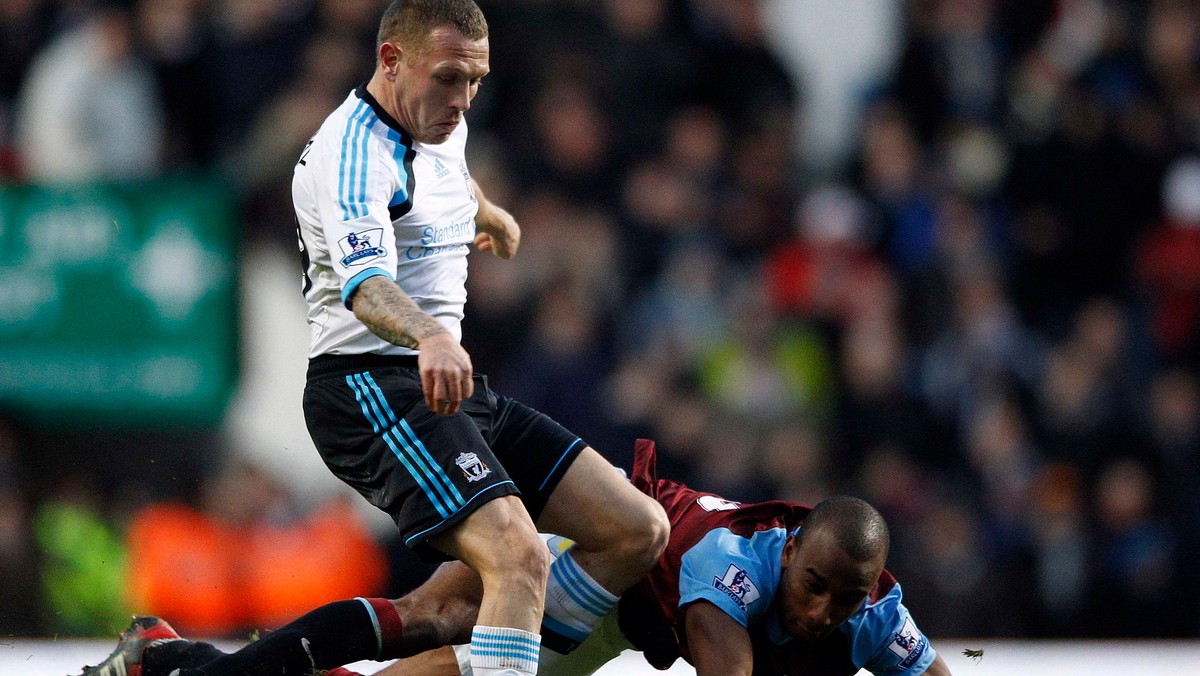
[386, 211]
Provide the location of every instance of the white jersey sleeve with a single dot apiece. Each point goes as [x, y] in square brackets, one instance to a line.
[370, 201]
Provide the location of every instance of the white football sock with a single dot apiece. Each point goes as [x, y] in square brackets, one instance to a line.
[575, 602]
[504, 651]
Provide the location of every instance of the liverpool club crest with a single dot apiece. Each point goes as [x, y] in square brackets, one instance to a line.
[472, 467]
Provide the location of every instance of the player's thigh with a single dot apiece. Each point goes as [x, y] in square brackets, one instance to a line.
[596, 506]
[535, 450]
[570, 489]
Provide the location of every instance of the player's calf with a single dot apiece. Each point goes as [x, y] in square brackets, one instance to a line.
[441, 611]
[500, 543]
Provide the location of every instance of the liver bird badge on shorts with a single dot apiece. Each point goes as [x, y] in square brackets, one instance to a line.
[472, 467]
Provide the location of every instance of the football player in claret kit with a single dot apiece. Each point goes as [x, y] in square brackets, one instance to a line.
[771, 588]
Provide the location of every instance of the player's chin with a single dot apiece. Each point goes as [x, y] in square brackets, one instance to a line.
[439, 134]
[799, 631]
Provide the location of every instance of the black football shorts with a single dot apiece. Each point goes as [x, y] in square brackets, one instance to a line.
[368, 419]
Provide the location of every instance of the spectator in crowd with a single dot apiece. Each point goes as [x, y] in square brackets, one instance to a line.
[89, 107]
[1135, 589]
[24, 27]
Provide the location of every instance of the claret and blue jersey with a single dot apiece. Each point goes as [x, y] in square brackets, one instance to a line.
[729, 554]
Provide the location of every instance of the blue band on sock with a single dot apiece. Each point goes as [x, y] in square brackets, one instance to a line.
[571, 577]
[549, 624]
[504, 648]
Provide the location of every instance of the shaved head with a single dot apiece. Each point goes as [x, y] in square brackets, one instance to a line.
[856, 527]
[409, 22]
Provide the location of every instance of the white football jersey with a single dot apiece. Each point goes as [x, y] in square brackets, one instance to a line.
[372, 201]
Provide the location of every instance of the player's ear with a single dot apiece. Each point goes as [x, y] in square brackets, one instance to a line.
[790, 547]
[390, 56]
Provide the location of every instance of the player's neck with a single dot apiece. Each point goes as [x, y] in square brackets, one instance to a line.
[383, 91]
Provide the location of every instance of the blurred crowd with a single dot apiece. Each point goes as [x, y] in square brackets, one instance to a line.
[986, 321]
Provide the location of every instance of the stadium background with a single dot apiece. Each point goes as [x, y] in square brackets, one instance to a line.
[942, 254]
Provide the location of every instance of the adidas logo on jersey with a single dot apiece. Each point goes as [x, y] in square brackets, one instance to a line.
[440, 169]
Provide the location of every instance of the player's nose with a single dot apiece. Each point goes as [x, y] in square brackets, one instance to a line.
[462, 100]
[818, 619]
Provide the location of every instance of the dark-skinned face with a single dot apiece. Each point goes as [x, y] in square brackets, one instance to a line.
[821, 586]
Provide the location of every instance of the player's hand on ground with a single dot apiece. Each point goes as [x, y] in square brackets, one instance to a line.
[445, 373]
[501, 240]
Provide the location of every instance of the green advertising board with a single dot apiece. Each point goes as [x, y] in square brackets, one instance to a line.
[118, 303]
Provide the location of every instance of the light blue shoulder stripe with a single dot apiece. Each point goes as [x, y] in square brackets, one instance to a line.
[362, 174]
[351, 131]
[355, 165]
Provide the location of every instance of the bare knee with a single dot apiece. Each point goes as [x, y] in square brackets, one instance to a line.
[619, 529]
[517, 560]
[636, 539]
[501, 544]
[644, 533]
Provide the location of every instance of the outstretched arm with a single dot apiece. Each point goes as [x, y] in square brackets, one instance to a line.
[498, 231]
[720, 646]
[938, 668]
[444, 365]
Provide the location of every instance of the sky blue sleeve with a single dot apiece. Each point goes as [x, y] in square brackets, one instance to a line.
[885, 640]
[730, 572]
[354, 282]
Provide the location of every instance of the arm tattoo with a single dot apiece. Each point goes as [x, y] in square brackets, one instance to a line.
[391, 314]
